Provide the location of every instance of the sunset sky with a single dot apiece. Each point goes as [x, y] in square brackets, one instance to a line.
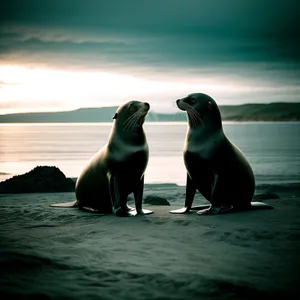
[62, 55]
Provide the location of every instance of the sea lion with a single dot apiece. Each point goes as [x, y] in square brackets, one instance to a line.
[215, 166]
[117, 169]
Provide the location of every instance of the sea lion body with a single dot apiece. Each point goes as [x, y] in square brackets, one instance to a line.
[117, 170]
[215, 166]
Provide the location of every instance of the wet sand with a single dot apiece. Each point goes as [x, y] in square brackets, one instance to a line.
[52, 253]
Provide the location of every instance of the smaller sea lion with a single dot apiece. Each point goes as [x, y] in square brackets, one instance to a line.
[117, 170]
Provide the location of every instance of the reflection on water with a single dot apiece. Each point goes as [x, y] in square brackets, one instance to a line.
[273, 149]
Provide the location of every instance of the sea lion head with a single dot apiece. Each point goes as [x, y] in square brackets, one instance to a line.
[131, 115]
[201, 109]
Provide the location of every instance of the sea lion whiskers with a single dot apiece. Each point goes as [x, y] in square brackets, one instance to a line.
[186, 107]
[137, 120]
[130, 122]
[129, 125]
[191, 118]
[194, 115]
[129, 118]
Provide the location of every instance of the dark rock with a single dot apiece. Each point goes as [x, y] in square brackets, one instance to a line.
[266, 196]
[42, 179]
[155, 200]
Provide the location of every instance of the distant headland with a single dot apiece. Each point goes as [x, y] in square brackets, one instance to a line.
[246, 112]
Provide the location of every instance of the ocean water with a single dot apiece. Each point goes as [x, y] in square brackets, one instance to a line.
[273, 149]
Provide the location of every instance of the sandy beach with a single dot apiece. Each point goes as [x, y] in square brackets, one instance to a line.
[49, 253]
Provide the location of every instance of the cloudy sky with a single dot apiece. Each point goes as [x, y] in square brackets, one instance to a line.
[62, 55]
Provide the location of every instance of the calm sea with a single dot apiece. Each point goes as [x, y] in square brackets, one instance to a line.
[273, 149]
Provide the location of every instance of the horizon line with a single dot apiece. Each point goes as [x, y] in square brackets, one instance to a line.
[167, 113]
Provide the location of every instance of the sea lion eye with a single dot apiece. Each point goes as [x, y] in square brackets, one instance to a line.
[210, 105]
[192, 100]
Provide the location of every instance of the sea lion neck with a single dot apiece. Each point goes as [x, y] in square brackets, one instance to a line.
[207, 127]
[120, 135]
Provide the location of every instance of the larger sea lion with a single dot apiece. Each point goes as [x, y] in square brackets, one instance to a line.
[215, 166]
[117, 170]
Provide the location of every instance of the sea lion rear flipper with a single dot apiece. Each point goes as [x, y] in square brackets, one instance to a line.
[92, 210]
[65, 204]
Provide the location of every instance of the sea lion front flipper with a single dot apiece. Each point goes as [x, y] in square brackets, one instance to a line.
[138, 199]
[130, 208]
[190, 192]
[200, 207]
[182, 210]
[215, 210]
[124, 213]
[260, 205]
[146, 212]
[119, 205]
[141, 212]
[186, 209]
[65, 204]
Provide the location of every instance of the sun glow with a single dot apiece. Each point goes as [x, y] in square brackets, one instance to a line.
[54, 89]
[37, 89]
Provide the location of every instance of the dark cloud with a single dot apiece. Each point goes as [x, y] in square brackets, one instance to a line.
[175, 54]
[231, 16]
[255, 39]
